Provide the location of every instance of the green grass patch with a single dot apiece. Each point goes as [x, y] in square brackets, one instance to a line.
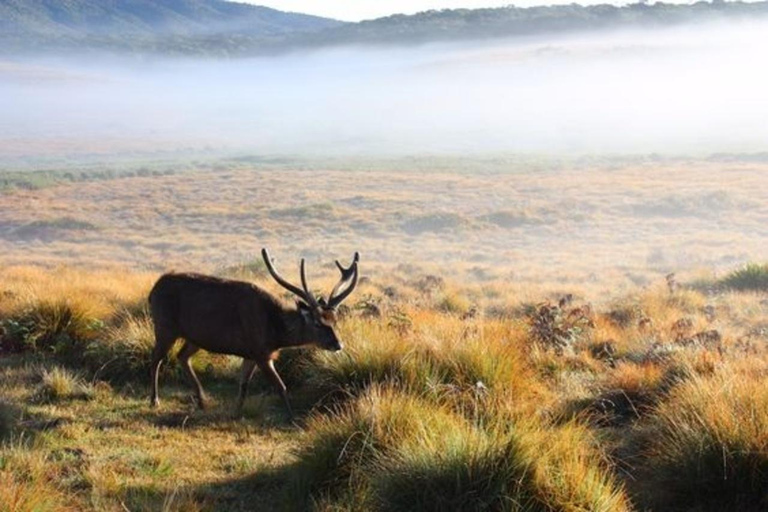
[751, 277]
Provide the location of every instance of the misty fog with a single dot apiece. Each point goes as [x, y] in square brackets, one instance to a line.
[683, 90]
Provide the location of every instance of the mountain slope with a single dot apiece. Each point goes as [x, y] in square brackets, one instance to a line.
[145, 24]
[217, 27]
[458, 24]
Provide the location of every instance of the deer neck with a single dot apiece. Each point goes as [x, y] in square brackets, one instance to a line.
[297, 332]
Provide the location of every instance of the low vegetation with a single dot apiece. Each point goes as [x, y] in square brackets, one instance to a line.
[751, 277]
[651, 401]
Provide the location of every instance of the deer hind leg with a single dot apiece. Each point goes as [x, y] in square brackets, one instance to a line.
[268, 368]
[164, 340]
[246, 372]
[186, 352]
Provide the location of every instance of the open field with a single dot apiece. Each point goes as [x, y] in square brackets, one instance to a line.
[514, 344]
[602, 225]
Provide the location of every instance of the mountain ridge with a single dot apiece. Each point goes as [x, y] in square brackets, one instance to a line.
[146, 25]
[217, 27]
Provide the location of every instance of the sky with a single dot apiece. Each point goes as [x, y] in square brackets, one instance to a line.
[356, 10]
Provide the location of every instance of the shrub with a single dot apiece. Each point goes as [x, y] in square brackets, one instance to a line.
[51, 326]
[557, 326]
[752, 277]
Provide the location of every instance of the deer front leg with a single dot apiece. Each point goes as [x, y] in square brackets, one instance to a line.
[268, 368]
[246, 372]
[187, 351]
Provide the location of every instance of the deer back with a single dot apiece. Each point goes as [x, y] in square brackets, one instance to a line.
[218, 315]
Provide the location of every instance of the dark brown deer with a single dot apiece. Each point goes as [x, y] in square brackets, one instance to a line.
[239, 318]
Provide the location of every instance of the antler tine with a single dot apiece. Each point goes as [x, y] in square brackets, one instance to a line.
[310, 298]
[283, 282]
[346, 274]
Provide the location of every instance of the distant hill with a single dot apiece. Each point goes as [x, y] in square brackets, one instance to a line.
[458, 24]
[216, 27]
[175, 26]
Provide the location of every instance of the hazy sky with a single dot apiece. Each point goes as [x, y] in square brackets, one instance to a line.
[355, 10]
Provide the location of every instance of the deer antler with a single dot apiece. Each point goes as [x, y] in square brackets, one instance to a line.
[304, 294]
[348, 282]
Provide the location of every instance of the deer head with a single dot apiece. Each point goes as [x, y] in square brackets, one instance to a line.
[319, 316]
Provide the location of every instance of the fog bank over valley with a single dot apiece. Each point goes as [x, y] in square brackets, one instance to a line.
[683, 90]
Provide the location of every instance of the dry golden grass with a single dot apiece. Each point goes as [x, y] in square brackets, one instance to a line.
[448, 406]
[597, 227]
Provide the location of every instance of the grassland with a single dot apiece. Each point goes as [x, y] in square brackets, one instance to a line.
[501, 352]
[655, 401]
[603, 225]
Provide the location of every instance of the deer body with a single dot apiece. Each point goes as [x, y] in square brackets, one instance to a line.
[238, 318]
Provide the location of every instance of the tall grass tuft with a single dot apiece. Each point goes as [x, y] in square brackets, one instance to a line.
[338, 457]
[444, 355]
[27, 483]
[60, 384]
[709, 449]
[124, 352]
[391, 450]
[23, 495]
[461, 468]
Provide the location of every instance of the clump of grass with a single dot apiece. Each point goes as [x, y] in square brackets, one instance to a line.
[628, 391]
[125, 351]
[27, 483]
[570, 473]
[461, 468]
[709, 444]
[453, 302]
[24, 495]
[54, 326]
[60, 384]
[443, 356]
[390, 450]
[338, 457]
[751, 277]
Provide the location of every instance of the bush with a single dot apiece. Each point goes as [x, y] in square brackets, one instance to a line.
[752, 277]
[50, 326]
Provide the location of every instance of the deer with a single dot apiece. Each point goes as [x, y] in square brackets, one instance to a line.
[238, 318]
